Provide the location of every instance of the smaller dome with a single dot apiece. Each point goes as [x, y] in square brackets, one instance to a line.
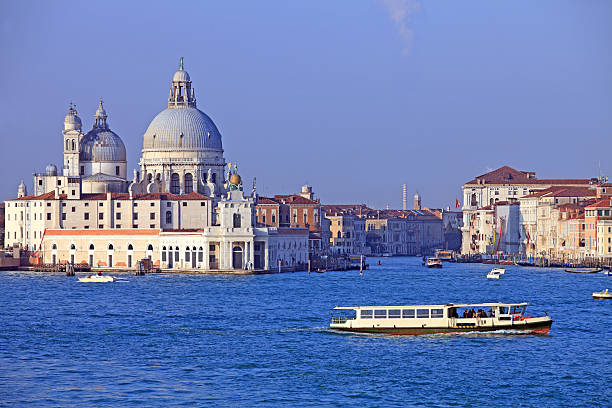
[51, 170]
[181, 76]
[72, 121]
[235, 179]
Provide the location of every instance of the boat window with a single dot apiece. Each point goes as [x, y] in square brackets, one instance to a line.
[408, 313]
[380, 314]
[423, 313]
[366, 314]
[437, 313]
[395, 313]
[503, 309]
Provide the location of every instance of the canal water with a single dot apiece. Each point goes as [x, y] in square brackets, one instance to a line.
[243, 341]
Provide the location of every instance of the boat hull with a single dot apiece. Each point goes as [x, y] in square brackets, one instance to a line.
[541, 327]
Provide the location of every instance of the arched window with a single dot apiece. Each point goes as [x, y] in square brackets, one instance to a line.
[73, 146]
[175, 184]
[339, 234]
[54, 246]
[237, 219]
[91, 247]
[168, 217]
[130, 247]
[72, 246]
[149, 177]
[163, 248]
[111, 247]
[150, 247]
[205, 176]
[188, 183]
[158, 177]
[67, 144]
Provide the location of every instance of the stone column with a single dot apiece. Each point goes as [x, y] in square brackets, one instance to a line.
[265, 253]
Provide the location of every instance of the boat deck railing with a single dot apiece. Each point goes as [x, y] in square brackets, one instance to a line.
[340, 319]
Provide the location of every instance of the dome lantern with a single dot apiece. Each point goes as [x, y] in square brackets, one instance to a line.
[181, 93]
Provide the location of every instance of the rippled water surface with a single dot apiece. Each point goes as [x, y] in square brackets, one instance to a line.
[172, 340]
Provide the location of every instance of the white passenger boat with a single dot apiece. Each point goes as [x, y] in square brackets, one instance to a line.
[496, 273]
[98, 278]
[433, 263]
[604, 294]
[431, 319]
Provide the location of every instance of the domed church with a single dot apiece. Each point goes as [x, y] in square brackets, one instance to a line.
[94, 162]
[184, 209]
[181, 149]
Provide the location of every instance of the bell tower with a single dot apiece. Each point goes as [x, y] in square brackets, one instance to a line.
[72, 137]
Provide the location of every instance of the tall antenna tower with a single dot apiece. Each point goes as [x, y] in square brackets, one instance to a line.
[404, 197]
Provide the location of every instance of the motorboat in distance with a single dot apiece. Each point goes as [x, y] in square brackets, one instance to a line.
[584, 270]
[433, 263]
[433, 319]
[496, 273]
[604, 294]
[98, 278]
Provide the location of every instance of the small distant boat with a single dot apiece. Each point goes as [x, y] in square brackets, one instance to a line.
[496, 273]
[583, 270]
[98, 278]
[386, 254]
[608, 272]
[433, 263]
[604, 294]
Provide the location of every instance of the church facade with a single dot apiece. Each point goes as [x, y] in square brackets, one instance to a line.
[185, 208]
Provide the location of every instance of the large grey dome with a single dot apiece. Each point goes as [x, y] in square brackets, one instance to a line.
[185, 128]
[102, 145]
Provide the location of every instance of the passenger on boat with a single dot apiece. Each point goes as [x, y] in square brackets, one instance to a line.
[491, 313]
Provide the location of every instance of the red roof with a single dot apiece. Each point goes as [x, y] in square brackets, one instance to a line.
[557, 191]
[508, 175]
[605, 203]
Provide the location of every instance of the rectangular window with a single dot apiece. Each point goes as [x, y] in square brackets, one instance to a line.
[184, 203]
[437, 313]
[163, 256]
[152, 226]
[86, 216]
[48, 216]
[64, 216]
[116, 170]
[168, 204]
[73, 209]
[187, 258]
[395, 313]
[48, 204]
[366, 314]
[211, 248]
[380, 314]
[101, 204]
[135, 204]
[118, 205]
[82, 170]
[135, 226]
[118, 216]
[100, 226]
[152, 216]
[86, 204]
[202, 203]
[118, 226]
[152, 204]
[135, 216]
[423, 313]
[100, 216]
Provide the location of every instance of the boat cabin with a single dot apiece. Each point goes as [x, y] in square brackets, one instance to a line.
[458, 312]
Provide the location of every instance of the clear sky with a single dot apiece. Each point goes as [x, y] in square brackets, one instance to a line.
[352, 97]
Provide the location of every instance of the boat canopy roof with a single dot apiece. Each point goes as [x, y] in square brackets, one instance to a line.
[434, 306]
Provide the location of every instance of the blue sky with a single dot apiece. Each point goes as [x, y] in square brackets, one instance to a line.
[352, 97]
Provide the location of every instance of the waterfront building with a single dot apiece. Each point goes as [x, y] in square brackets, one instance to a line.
[347, 233]
[189, 203]
[295, 211]
[508, 184]
[595, 216]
